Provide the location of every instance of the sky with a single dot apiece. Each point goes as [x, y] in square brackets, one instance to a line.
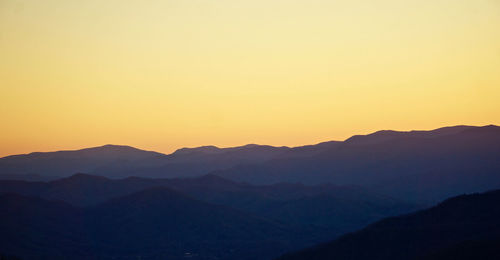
[161, 75]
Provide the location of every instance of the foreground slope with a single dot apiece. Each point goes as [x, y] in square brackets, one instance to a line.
[463, 227]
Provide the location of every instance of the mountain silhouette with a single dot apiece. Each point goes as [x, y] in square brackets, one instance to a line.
[443, 162]
[328, 209]
[258, 201]
[424, 166]
[174, 224]
[156, 223]
[463, 227]
[34, 228]
[124, 161]
[65, 163]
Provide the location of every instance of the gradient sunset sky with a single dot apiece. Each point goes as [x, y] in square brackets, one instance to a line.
[161, 75]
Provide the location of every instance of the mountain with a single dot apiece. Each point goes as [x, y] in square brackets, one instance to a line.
[388, 135]
[463, 227]
[32, 228]
[329, 210]
[123, 161]
[425, 166]
[338, 210]
[65, 163]
[166, 224]
[192, 162]
[156, 223]
[257, 201]
[422, 166]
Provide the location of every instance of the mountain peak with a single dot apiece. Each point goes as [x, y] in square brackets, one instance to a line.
[115, 148]
[200, 149]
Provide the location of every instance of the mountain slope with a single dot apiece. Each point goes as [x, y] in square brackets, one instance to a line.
[327, 210]
[379, 158]
[465, 224]
[156, 223]
[66, 163]
[173, 224]
[33, 228]
[425, 166]
[124, 161]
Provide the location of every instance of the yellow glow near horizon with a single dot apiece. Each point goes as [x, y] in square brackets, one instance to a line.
[161, 75]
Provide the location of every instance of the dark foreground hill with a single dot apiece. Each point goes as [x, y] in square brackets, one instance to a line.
[156, 223]
[464, 227]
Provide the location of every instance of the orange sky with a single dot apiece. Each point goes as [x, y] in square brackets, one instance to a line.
[161, 75]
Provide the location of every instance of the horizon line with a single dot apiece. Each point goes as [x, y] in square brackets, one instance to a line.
[247, 144]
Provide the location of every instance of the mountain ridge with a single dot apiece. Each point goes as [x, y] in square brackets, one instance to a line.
[213, 147]
[151, 223]
[399, 159]
[468, 224]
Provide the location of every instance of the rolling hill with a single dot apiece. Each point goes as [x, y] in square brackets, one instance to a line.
[156, 223]
[328, 209]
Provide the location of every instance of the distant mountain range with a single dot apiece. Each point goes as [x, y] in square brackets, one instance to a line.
[117, 161]
[464, 227]
[442, 162]
[257, 201]
[424, 166]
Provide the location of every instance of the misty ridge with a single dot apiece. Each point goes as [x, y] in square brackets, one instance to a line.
[259, 201]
